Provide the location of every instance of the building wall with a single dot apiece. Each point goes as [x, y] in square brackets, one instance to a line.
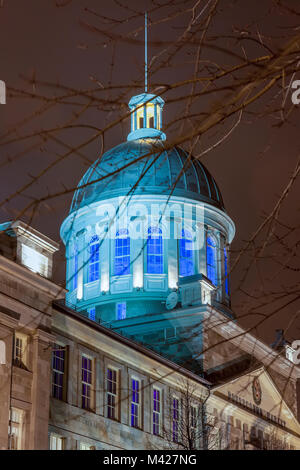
[25, 312]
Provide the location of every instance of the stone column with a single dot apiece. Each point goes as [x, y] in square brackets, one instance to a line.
[40, 392]
[7, 326]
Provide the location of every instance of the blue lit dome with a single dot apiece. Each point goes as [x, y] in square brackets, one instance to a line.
[165, 250]
[146, 166]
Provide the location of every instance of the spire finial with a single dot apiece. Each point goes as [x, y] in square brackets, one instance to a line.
[146, 56]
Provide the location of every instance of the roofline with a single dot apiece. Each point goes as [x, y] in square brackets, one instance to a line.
[130, 343]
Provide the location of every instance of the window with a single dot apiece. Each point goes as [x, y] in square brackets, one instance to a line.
[85, 446]
[94, 248]
[150, 108]
[122, 253]
[211, 259]
[156, 415]
[193, 423]
[226, 271]
[20, 350]
[92, 313]
[112, 393]
[35, 261]
[175, 419]
[56, 442]
[135, 420]
[58, 371]
[16, 431]
[154, 251]
[121, 311]
[75, 267]
[86, 383]
[186, 254]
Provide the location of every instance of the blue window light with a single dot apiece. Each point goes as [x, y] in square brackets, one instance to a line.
[155, 251]
[122, 253]
[75, 265]
[186, 254]
[92, 313]
[226, 271]
[211, 259]
[94, 270]
[135, 403]
[121, 311]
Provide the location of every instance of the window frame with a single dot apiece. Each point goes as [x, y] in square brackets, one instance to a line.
[17, 425]
[214, 250]
[156, 255]
[155, 412]
[58, 438]
[89, 385]
[111, 398]
[121, 269]
[183, 259]
[63, 386]
[117, 311]
[93, 274]
[137, 404]
[176, 420]
[22, 359]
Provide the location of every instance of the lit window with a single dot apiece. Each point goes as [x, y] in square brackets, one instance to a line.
[94, 259]
[211, 260]
[20, 350]
[175, 420]
[154, 251]
[16, 429]
[56, 442]
[112, 393]
[156, 414]
[92, 313]
[86, 383]
[35, 261]
[122, 253]
[140, 117]
[58, 371]
[121, 311]
[226, 272]
[75, 267]
[135, 403]
[85, 446]
[186, 254]
[150, 115]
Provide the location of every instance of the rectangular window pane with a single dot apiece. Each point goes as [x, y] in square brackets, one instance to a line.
[135, 403]
[121, 310]
[86, 383]
[175, 419]
[156, 415]
[111, 393]
[58, 370]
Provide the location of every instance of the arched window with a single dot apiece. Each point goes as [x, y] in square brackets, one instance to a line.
[94, 259]
[155, 251]
[186, 254]
[211, 259]
[122, 252]
[75, 266]
[226, 271]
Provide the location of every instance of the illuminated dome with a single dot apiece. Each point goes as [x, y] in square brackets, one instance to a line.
[146, 167]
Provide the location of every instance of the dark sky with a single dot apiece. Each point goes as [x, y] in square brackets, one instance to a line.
[49, 41]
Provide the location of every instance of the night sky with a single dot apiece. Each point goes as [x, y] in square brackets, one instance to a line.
[54, 42]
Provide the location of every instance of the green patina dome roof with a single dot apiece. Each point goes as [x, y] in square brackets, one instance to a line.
[146, 166]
